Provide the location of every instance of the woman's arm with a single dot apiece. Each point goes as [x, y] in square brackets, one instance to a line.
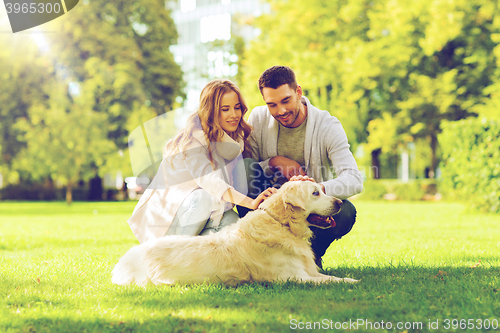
[237, 198]
[200, 168]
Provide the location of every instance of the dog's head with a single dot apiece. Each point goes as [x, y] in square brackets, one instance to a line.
[303, 204]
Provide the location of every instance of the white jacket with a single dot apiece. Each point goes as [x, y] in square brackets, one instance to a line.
[157, 207]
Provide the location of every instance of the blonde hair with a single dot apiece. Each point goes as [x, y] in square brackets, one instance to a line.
[207, 118]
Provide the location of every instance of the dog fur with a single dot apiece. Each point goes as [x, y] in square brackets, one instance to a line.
[268, 244]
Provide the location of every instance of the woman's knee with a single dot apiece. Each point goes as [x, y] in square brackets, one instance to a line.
[229, 217]
[192, 215]
[199, 199]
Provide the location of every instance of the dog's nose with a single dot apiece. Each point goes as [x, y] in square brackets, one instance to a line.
[337, 203]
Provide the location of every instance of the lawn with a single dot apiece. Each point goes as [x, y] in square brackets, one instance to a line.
[423, 267]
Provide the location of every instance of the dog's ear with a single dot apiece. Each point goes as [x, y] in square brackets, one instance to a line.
[294, 198]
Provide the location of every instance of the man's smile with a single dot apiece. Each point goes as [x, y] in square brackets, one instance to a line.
[285, 116]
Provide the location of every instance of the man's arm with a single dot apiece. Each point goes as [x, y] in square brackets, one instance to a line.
[349, 179]
[286, 167]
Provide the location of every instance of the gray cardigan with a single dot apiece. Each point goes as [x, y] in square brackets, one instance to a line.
[326, 151]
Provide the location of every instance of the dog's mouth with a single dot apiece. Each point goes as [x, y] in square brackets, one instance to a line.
[321, 221]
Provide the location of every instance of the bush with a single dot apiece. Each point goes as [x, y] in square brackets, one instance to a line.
[375, 189]
[29, 192]
[471, 162]
[35, 192]
[410, 191]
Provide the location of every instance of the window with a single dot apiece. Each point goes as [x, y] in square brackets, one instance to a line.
[215, 27]
[188, 5]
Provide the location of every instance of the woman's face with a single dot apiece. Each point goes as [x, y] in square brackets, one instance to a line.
[230, 112]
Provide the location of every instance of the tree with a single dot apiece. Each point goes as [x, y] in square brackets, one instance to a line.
[412, 64]
[64, 140]
[20, 81]
[119, 52]
[110, 66]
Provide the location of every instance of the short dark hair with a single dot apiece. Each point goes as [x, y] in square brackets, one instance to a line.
[277, 76]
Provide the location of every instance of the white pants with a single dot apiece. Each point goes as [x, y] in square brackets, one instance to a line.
[193, 216]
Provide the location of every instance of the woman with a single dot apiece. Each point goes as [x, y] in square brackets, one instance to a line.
[202, 175]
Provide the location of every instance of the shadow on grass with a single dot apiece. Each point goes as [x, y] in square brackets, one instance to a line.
[384, 293]
[420, 284]
[163, 323]
[411, 274]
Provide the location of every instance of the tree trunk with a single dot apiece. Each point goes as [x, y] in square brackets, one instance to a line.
[95, 189]
[375, 169]
[69, 193]
[434, 142]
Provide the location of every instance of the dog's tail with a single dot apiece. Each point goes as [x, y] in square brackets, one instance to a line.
[130, 268]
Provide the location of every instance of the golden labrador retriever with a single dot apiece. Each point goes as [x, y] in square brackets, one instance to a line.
[268, 244]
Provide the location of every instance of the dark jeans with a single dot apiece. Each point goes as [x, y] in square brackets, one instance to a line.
[345, 219]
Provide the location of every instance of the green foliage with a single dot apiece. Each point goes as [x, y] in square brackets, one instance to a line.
[414, 190]
[41, 192]
[38, 192]
[120, 51]
[373, 190]
[391, 71]
[471, 156]
[414, 260]
[64, 140]
[20, 84]
[67, 109]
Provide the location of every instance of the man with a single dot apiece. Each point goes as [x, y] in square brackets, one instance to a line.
[292, 138]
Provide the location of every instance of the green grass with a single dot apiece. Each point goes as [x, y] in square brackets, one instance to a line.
[417, 262]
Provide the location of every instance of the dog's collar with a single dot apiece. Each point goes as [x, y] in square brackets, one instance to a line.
[264, 210]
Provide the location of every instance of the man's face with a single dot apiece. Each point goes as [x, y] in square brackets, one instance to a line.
[284, 104]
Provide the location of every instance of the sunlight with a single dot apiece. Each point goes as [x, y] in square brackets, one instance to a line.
[4, 24]
[40, 40]
[23, 45]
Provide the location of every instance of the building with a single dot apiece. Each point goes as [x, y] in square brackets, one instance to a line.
[208, 30]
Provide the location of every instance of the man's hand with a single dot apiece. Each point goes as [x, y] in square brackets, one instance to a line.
[286, 167]
[306, 178]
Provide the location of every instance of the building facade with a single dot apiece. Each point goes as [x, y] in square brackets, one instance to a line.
[208, 33]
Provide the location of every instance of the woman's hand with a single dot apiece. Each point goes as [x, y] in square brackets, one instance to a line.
[261, 197]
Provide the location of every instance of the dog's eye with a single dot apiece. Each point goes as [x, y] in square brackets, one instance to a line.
[316, 193]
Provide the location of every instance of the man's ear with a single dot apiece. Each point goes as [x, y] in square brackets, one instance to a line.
[299, 91]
